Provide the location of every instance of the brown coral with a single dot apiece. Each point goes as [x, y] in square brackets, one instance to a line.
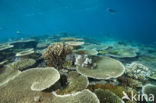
[115, 89]
[55, 54]
[106, 96]
[126, 81]
[76, 82]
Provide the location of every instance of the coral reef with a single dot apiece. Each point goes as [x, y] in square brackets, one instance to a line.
[91, 52]
[5, 47]
[105, 68]
[127, 81]
[70, 39]
[19, 90]
[149, 61]
[42, 45]
[74, 44]
[94, 46]
[88, 52]
[149, 89]
[137, 71]
[22, 64]
[75, 60]
[7, 74]
[23, 44]
[84, 61]
[55, 54]
[84, 96]
[43, 78]
[75, 83]
[106, 96]
[69, 65]
[6, 52]
[153, 75]
[25, 53]
[122, 53]
[115, 89]
[3, 63]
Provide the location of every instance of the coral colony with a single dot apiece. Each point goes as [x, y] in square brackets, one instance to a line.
[59, 69]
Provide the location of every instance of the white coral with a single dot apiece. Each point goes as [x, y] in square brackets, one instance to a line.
[137, 71]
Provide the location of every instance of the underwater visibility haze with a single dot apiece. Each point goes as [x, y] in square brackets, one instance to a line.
[130, 19]
[77, 51]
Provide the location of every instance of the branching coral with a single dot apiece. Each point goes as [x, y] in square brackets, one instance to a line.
[137, 71]
[55, 54]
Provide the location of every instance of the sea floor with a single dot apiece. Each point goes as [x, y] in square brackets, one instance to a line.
[71, 69]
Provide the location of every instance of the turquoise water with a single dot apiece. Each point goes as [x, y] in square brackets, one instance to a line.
[132, 20]
[77, 51]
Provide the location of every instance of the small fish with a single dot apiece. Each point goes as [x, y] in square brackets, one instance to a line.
[111, 10]
[18, 32]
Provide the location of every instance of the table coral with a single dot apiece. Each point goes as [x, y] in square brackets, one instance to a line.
[19, 90]
[22, 64]
[85, 96]
[25, 53]
[106, 96]
[105, 68]
[75, 83]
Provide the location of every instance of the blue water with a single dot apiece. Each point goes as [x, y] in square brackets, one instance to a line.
[133, 20]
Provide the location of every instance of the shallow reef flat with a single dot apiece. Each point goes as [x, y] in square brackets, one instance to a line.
[70, 69]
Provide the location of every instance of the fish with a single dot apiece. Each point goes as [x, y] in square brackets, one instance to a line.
[18, 32]
[112, 11]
